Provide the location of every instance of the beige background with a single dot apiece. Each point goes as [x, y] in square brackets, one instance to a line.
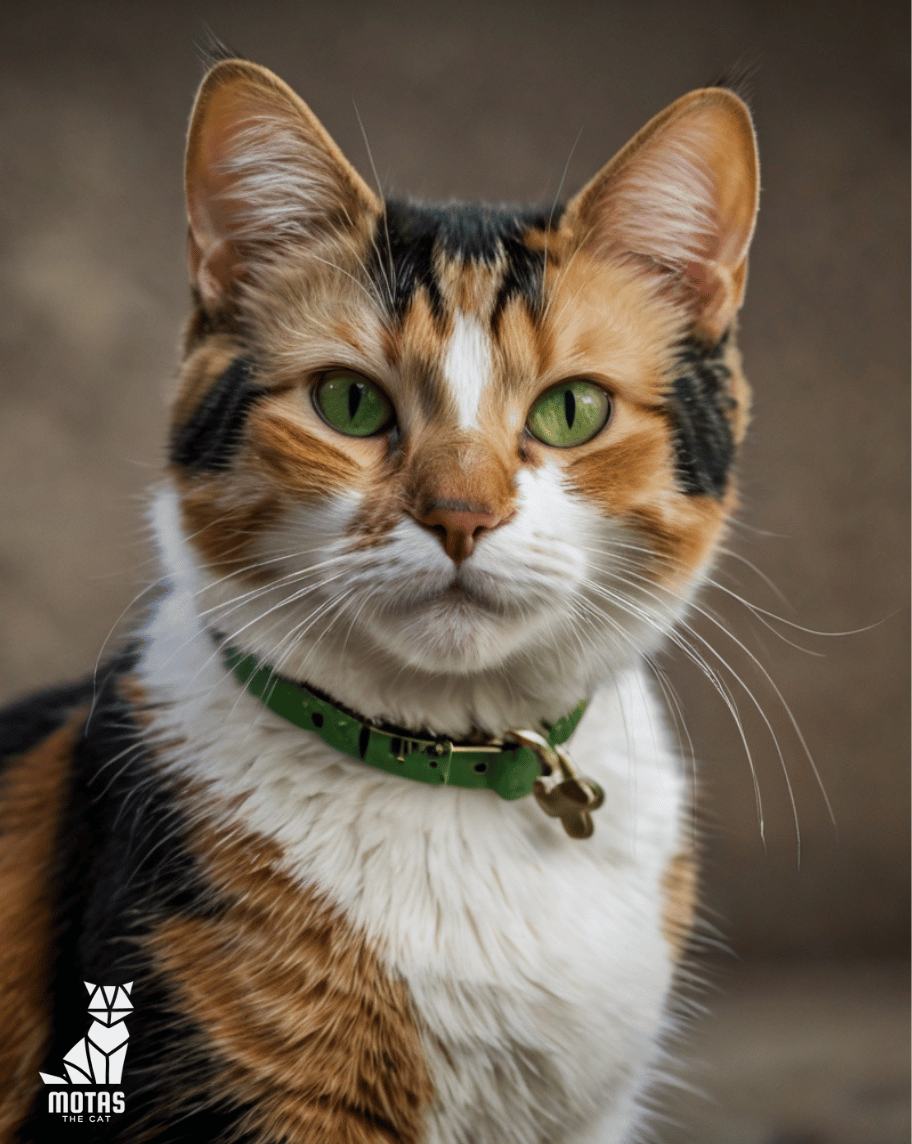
[486, 100]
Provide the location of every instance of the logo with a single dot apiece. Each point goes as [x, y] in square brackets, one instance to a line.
[97, 1059]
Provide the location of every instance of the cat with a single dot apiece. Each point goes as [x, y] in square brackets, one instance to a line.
[99, 1056]
[376, 809]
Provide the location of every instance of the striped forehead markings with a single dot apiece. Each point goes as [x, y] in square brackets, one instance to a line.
[467, 367]
[409, 238]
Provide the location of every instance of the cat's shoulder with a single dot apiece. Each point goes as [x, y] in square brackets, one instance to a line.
[27, 723]
[30, 722]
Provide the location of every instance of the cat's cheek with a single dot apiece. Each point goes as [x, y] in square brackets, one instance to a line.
[299, 462]
[633, 482]
[306, 534]
[223, 522]
[683, 533]
[626, 466]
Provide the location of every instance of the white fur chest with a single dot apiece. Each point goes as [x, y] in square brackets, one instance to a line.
[536, 963]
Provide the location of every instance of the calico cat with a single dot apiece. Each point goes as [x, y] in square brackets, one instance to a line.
[377, 810]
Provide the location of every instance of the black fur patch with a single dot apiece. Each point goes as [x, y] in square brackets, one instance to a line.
[409, 237]
[737, 77]
[122, 864]
[404, 256]
[523, 278]
[212, 49]
[210, 437]
[26, 723]
[699, 404]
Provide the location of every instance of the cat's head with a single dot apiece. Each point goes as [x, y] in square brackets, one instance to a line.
[456, 440]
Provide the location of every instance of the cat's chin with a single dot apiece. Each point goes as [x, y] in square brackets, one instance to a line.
[455, 632]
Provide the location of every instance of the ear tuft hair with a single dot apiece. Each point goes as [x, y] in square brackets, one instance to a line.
[738, 78]
[212, 49]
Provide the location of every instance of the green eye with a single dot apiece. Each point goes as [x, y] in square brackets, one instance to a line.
[569, 414]
[352, 404]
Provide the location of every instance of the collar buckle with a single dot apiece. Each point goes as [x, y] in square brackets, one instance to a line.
[561, 791]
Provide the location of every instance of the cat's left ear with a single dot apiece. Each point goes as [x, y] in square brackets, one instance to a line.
[681, 199]
[262, 174]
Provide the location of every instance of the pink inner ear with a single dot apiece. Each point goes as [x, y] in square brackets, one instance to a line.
[213, 269]
[212, 258]
[715, 296]
[234, 125]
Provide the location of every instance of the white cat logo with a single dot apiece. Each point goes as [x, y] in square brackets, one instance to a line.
[99, 1057]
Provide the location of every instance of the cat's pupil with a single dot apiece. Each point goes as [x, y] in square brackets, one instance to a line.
[569, 407]
[355, 393]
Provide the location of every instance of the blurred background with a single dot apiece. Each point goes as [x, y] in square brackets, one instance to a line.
[804, 967]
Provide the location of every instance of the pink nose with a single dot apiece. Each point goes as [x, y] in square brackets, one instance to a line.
[458, 528]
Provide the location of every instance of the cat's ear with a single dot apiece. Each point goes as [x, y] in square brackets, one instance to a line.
[681, 198]
[261, 173]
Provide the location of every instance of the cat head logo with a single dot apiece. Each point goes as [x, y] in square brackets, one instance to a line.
[109, 1004]
[98, 1058]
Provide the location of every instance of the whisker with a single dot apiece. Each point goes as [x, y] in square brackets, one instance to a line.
[761, 612]
[391, 277]
[731, 554]
[548, 228]
[677, 638]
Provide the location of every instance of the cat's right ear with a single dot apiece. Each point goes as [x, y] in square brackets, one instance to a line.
[262, 175]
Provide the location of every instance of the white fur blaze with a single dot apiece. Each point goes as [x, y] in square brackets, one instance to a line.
[467, 367]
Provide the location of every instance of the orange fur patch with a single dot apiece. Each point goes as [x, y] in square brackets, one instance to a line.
[526, 349]
[462, 469]
[297, 462]
[469, 286]
[304, 1023]
[421, 343]
[31, 796]
[224, 520]
[679, 886]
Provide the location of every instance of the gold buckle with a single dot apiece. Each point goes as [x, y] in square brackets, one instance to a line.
[561, 792]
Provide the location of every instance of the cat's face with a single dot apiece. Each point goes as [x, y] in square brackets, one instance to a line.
[450, 438]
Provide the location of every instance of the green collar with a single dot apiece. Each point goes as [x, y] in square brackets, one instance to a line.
[509, 767]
